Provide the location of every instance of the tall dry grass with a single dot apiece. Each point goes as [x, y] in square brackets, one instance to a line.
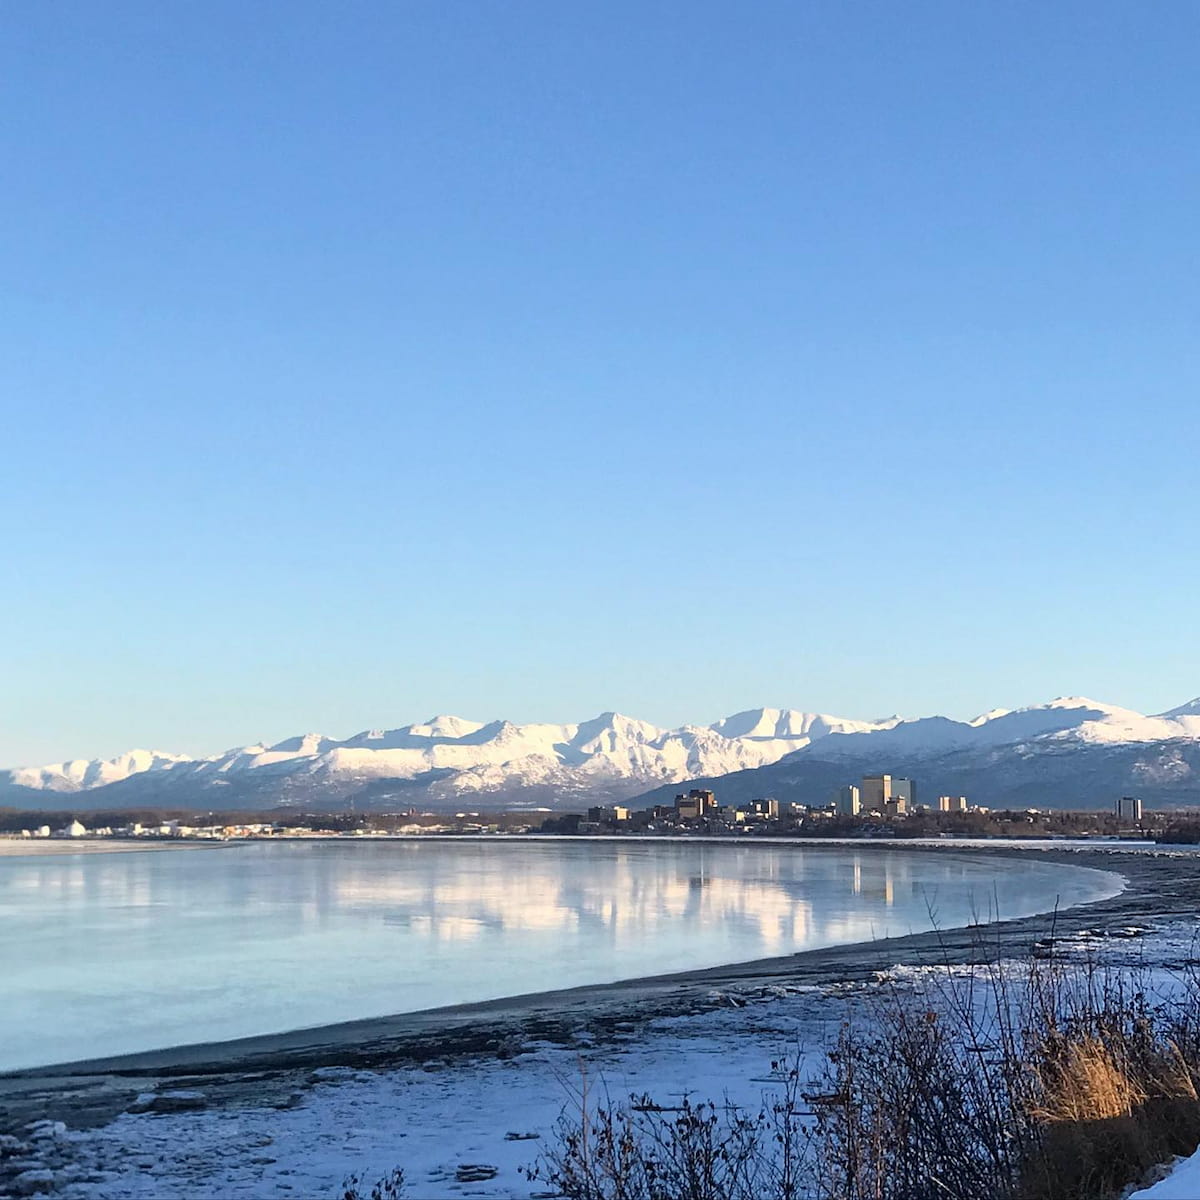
[1030, 1081]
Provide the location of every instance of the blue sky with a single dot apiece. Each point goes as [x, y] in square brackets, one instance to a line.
[365, 361]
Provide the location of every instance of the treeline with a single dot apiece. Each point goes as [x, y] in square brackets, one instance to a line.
[1003, 823]
[13, 820]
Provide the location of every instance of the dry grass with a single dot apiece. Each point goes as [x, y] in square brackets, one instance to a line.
[1115, 1089]
[1028, 1082]
[1035, 1083]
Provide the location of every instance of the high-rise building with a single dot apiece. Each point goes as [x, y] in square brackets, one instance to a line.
[848, 803]
[875, 792]
[697, 803]
[952, 804]
[891, 794]
[1129, 808]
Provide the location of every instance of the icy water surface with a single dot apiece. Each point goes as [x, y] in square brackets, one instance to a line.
[108, 953]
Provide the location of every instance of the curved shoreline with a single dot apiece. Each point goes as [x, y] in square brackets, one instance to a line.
[279, 1070]
[477, 1024]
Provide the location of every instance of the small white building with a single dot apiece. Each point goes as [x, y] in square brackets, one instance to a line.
[76, 829]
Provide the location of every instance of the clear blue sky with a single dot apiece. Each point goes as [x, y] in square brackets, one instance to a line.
[363, 361]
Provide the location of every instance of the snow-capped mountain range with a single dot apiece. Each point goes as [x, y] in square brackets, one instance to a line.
[1070, 753]
[611, 756]
[452, 761]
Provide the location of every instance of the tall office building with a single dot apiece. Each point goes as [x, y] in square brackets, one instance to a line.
[848, 804]
[1129, 808]
[890, 794]
[875, 792]
[698, 802]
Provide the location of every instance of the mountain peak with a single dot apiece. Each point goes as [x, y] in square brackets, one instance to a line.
[992, 714]
[609, 757]
[444, 725]
[1070, 702]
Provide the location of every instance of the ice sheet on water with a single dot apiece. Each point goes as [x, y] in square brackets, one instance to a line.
[269, 937]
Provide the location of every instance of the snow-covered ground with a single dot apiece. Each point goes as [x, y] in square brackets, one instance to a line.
[436, 1120]
[1183, 1183]
[444, 1121]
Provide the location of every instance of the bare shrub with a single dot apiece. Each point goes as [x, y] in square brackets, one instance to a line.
[641, 1150]
[389, 1187]
[1029, 1081]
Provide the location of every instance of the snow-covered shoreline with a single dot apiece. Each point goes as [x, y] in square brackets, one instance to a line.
[433, 1100]
[16, 847]
[489, 1112]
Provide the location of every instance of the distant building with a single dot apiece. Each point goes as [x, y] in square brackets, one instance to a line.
[75, 829]
[1129, 808]
[696, 804]
[891, 794]
[848, 801]
[952, 804]
[875, 792]
[608, 814]
[767, 807]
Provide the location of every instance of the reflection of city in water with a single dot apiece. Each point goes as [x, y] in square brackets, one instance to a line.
[117, 952]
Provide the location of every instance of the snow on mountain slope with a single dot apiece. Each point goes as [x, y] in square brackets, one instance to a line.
[486, 756]
[1063, 721]
[608, 757]
[81, 774]
[770, 723]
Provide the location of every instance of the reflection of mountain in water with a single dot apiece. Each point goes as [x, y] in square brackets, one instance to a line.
[263, 937]
[773, 901]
